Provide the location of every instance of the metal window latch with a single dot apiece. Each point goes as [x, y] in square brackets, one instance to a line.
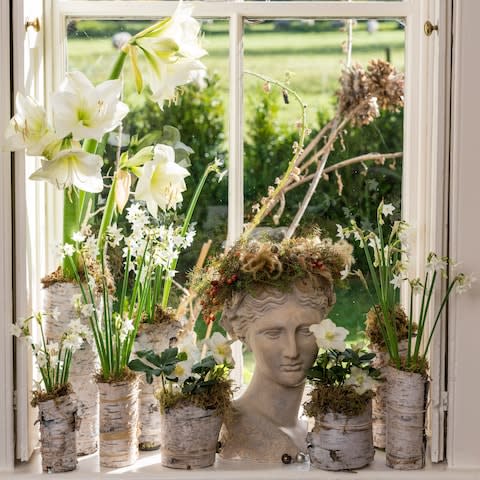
[429, 28]
[34, 23]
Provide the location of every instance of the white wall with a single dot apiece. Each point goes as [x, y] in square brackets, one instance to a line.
[464, 329]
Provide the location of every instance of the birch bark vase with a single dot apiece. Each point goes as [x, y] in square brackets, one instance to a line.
[118, 423]
[156, 337]
[379, 401]
[405, 420]
[58, 297]
[58, 423]
[189, 437]
[339, 442]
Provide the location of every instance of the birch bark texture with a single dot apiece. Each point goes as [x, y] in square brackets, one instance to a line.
[156, 337]
[189, 437]
[339, 442]
[118, 423]
[58, 298]
[379, 401]
[405, 420]
[58, 424]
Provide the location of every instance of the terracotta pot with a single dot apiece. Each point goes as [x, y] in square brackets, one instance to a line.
[340, 442]
[118, 423]
[189, 437]
[58, 297]
[405, 420]
[58, 423]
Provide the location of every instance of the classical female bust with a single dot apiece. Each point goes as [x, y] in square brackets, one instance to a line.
[274, 325]
[269, 294]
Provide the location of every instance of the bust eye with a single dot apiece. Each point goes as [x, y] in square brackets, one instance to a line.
[305, 331]
[272, 334]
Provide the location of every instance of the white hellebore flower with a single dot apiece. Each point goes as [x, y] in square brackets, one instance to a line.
[329, 336]
[220, 348]
[161, 182]
[72, 167]
[360, 380]
[188, 345]
[29, 127]
[85, 110]
[183, 370]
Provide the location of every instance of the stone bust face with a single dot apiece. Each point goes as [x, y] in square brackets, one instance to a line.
[280, 339]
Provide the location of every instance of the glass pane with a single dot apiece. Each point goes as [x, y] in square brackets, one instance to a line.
[199, 114]
[308, 57]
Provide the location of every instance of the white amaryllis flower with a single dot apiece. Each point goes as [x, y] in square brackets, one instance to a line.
[220, 348]
[169, 76]
[172, 50]
[360, 380]
[85, 110]
[72, 167]
[29, 128]
[161, 182]
[329, 336]
[183, 370]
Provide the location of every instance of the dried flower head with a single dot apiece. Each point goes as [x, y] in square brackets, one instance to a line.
[386, 84]
[252, 266]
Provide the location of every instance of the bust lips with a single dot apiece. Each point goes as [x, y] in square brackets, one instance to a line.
[291, 367]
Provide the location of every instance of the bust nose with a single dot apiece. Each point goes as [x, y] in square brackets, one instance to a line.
[291, 347]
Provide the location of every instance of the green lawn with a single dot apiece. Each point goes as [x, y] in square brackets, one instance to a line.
[314, 57]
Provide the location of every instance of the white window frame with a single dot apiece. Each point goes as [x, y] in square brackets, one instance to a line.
[424, 194]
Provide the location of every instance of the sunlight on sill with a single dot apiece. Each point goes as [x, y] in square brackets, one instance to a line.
[148, 466]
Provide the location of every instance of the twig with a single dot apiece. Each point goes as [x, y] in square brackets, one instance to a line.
[345, 163]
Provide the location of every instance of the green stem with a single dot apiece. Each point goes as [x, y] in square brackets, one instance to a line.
[186, 224]
[107, 215]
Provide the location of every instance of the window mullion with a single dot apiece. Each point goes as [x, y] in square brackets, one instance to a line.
[235, 163]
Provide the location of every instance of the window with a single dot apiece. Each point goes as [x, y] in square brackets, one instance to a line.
[418, 188]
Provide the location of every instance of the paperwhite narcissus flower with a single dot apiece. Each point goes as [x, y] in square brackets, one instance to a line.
[72, 167]
[85, 110]
[29, 128]
[161, 181]
[220, 348]
[328, 336]
[360, 380]
[183, 370]
[387, 209]
[396, 281]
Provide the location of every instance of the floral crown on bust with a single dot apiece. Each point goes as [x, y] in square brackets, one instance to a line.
[250, 265]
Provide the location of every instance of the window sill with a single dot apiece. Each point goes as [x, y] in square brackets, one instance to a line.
[148, 466]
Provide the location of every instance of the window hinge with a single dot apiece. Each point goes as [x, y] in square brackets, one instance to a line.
[444, 401]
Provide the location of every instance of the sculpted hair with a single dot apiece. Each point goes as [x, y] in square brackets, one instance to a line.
[243, 308]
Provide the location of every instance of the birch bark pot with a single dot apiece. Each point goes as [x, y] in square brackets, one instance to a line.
[379, 401]
[405, 420]
[156, 337]
[58, 423]
[58, 297]
[189, 437]
[339, 442]
[118, 423]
